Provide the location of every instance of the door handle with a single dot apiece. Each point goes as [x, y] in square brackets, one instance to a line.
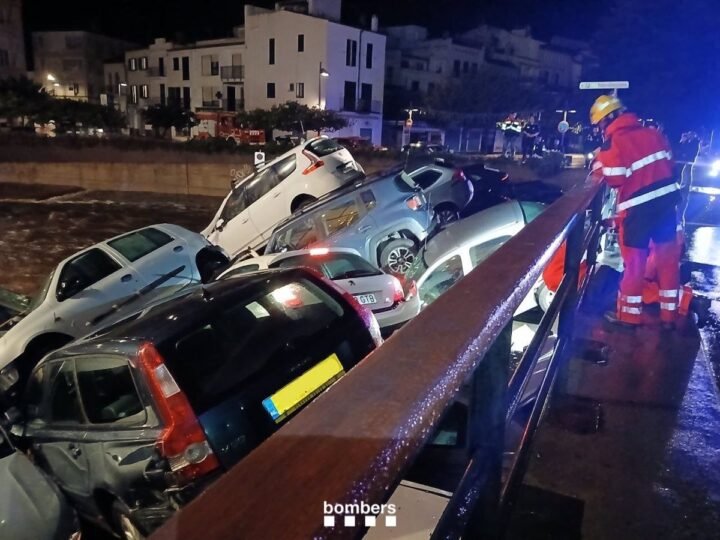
[365, 228]
[277, 194]
[177, 249]
[74, 450]
[244, 221]
[126, 278]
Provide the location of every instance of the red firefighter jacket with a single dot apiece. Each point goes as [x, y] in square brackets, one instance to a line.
[637, 160]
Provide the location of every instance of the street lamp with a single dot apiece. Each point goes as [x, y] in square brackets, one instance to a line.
[322, 73]
[51, 77]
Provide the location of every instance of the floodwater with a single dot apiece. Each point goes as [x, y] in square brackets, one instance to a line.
[41, 226]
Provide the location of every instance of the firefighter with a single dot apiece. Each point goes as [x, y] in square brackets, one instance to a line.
[637, 161]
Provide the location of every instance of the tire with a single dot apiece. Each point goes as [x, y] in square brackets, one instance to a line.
[447, 213]
[544, 297]
[210, 262]
[123, 523]
[397, 256]
[302, 202]
[37, 351]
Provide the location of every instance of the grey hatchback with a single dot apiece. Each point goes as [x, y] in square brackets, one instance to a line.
[384, 218]
[447, 188]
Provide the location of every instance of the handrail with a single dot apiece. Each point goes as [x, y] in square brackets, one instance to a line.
[354, 442]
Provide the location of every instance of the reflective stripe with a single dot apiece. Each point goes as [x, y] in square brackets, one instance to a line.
[614, 171]
[668, 307]
[645, 197]
[647, 160]
[669, 293]
[679, 227]
[632, 310]
[631, 299]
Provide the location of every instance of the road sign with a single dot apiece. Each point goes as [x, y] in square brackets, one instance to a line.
[259, 158]
[408, 122]
[605, 85]
[563, 126]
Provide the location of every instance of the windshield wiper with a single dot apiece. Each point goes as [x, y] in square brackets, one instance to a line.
[357, 274]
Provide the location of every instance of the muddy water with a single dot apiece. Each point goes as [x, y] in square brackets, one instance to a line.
[37, 232]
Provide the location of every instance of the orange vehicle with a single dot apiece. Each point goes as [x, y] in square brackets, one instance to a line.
[223, 124]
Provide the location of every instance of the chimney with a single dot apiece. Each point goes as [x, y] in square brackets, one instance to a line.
[374, 23]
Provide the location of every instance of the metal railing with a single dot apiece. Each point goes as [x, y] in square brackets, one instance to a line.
[355, 442]
[232, 73]
[362, 106]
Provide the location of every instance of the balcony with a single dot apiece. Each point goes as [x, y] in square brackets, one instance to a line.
[211, 104]
[232, 73]
[365, 106]
[155, 71]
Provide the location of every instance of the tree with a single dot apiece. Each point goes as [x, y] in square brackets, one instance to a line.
[22, 98]
[670, 53]
[291, 116]
[164, 117]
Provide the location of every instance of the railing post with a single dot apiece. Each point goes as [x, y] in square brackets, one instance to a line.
[486, 433]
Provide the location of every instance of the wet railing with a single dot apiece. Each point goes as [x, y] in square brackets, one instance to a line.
[355, 442]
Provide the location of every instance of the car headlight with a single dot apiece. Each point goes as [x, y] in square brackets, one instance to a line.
[715, 168]
[9, 377]
[590, 155]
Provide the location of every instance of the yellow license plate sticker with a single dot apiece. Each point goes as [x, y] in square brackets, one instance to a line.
[298, 392]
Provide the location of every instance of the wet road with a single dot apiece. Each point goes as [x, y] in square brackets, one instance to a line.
[41, 227]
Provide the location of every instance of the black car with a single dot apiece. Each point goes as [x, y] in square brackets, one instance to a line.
[137, 419]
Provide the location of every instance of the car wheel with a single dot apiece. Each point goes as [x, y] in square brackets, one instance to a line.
[302, 202]
[544, 297]
[124, 525]
[447, 214]
[398, 256]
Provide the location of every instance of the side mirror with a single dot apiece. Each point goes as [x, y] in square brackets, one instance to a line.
[12, 416]
[220, 224]
[69, 288]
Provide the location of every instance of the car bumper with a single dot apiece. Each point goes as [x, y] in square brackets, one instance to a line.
[402, 313]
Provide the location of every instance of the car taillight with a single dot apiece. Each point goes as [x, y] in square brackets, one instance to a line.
[459, 176]
[505, 177]
[318, 252]
[315, 163]
[416, 202]
[182, 441]
[398, 293]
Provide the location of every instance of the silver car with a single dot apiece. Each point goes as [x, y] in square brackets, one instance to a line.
[447, 188]
[385, 219]
[382, 293]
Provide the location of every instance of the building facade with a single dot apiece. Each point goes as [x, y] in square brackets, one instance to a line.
[70, 64]
[298, 51]
[12, 43]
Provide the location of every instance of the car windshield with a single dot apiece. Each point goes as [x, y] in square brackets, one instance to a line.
[332, 265]
[324, 147]
[39, 298]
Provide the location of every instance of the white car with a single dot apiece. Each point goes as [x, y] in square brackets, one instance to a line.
[255, 205]
[382, 293]
[456, 250]
[87, 289]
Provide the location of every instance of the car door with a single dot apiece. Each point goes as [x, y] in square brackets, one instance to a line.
[88, 285]
[55, 427]
[161, 262]
[439, 278]
[267, 196]
[234, 230]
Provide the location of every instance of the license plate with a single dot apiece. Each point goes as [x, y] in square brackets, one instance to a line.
[366, 299]
[298, 392]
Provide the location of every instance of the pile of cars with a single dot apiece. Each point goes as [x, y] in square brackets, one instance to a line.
[150, 363]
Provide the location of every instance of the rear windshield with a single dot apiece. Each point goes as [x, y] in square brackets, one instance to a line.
[268, 335]
[405, 183]
[324, 147]
[333, 265]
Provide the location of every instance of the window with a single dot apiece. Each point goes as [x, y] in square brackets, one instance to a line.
[351, 53]
[299, 234]
[271, 51]
[466, 67]
[161, 67]
[482, 251]
[176, 64]
[35, 390]
[323, 147]
[531, 210]
[368, 199]
[271, 90]
[242, 270]
[64, 400]
[174, 96]
[264, 181]
[235, 204]
[85, 270]
[474, 67]
[441, 279]
[369, 56]
[144, 91]
[163, 101]
[301, 42]
[292, 87]
[210, 96]
[259, 337]
[210, 65]
[107, 390]
[300, 90]
[431, 86]
[427, 178]
[134, 93]
[456, 68]
[415, 86]
[285, 167]
[143, 63]
[132, 64]
[186, 70]
[136, 245]
[339, 217]
[333, 265]
[4, 58]
[349, 96]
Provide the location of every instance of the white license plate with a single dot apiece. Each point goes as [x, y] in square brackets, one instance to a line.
[366, 299]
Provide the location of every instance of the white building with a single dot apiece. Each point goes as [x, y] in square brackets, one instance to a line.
[298, 51]
[12, 43]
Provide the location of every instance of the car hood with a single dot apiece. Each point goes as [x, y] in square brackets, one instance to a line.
[31, 506]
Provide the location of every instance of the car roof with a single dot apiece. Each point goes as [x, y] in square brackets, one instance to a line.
[169, 318]
[462, 232]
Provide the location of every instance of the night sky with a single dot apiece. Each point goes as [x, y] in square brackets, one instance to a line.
[142, 20]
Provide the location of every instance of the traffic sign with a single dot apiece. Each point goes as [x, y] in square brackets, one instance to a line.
[563, 126]
[605, 85]
[259, 158]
